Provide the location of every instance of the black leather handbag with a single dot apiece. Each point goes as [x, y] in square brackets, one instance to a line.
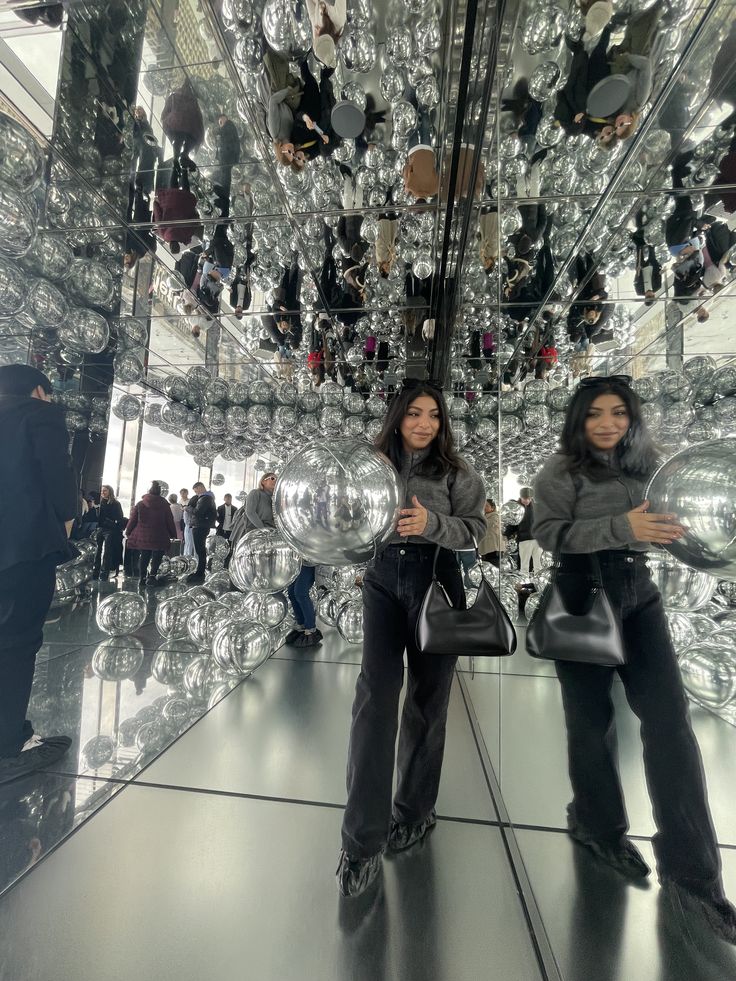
[589, 637]
[484, 630]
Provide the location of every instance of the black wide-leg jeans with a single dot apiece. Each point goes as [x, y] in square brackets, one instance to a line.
[393, 589]
[685, 843]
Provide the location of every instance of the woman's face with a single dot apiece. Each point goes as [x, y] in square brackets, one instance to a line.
[300, 158]
[288, 151]
[421, 423]
[104, 493]
[606, 134]
[607, 422]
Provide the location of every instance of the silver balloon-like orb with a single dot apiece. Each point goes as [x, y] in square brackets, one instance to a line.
[97, 751]
[117, 658]
[121, 613]
[21, 158]
[287, 33]
[709, 674]
[240, 647]
[350, 621]
[172, 615]
[511, 513]
[336, 503]
[269, 609]
[204, 621]
[698, 484]
[264, 562]
[682, 587]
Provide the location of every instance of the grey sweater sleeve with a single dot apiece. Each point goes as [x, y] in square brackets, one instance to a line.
[457, 530]
[555, 498]
[251, 509]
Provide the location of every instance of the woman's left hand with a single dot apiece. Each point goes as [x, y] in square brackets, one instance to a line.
[413, 521]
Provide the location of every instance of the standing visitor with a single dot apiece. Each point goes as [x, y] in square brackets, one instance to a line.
[589, 501]
[203, 516]
[259, 503]
[443, 498]
[225, 516]
[111, 523]
[150, 530]
[33, 532]
[187, 522]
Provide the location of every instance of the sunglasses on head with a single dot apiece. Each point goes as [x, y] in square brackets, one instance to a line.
[593, 380]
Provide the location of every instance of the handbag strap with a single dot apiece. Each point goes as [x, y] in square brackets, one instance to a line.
[593, 556]
[477, 559]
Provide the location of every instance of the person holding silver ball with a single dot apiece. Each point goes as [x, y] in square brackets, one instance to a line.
[444, 499]
[589, 500]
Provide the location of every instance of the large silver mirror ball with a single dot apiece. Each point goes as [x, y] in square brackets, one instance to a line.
[698, 484]
[337, 504]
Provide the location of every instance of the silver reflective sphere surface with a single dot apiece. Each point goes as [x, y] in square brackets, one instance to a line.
[699, 485]
[263, 562]
[337, 504]
[121, 613]
[709, 674]
[239, 648]
[682, 587]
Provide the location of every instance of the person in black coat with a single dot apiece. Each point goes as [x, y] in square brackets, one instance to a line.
[203, 516]
[227, 155]
[110, 524]
[225, 515]
[39, 505]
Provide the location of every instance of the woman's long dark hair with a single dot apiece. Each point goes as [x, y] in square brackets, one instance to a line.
[110, 493]
[637, 452]
[442, 458]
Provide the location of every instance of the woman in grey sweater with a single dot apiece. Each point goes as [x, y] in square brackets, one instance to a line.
[588, 498]
[444, 500]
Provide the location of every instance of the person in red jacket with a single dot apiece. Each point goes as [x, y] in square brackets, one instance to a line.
[175, 211]
[182, 122]
[150, 530]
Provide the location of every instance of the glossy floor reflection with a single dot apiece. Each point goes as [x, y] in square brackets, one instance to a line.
[522, 722]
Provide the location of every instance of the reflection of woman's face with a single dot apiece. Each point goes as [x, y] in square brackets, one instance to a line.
[287, 150]
[622, 122]
[606, 135]
[421, 423]
[300, 158]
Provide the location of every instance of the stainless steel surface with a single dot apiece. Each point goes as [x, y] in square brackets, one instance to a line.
[179, 886]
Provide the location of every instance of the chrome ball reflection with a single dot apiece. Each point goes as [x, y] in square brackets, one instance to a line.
[699, 485]
[240, 647]
[21, 158]
[709, 675]
[117, 658]
[287, 33]
[121, 613]
[682, 587]
[337, 504]
[350, 621]
[269, 609]
[263, 562]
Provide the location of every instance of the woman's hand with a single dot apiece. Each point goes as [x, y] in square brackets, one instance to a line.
[579, 117]
[325, 138]
[413, 521]
[662, 529]
[308, 121]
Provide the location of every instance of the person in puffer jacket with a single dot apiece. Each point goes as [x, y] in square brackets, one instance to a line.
[150, 529]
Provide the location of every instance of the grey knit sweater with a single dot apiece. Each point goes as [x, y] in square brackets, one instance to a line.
[595, 511]
[455, 504]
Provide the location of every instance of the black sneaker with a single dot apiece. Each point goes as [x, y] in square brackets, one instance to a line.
[621, 855]
[403, 836]
[355, 875]
[47, 751]
[292, 636]
[308, 640]
[716, 913]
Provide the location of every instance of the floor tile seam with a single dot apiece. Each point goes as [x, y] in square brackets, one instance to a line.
[551, 829]
[268, 798]
[541, 944]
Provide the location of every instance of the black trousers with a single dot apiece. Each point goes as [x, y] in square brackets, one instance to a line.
[109, 561]
[146, 555]
[393, 590]
[685, 843]
[26, 591]
[199, 536]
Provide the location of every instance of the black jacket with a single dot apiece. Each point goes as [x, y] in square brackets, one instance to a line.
[111, 517]
[202, 509]
[221, 517]
[524, 529]
[39, 487]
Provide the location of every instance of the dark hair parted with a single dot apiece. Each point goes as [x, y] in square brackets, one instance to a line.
[637, 452]
[442, 458]
[155, 489]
